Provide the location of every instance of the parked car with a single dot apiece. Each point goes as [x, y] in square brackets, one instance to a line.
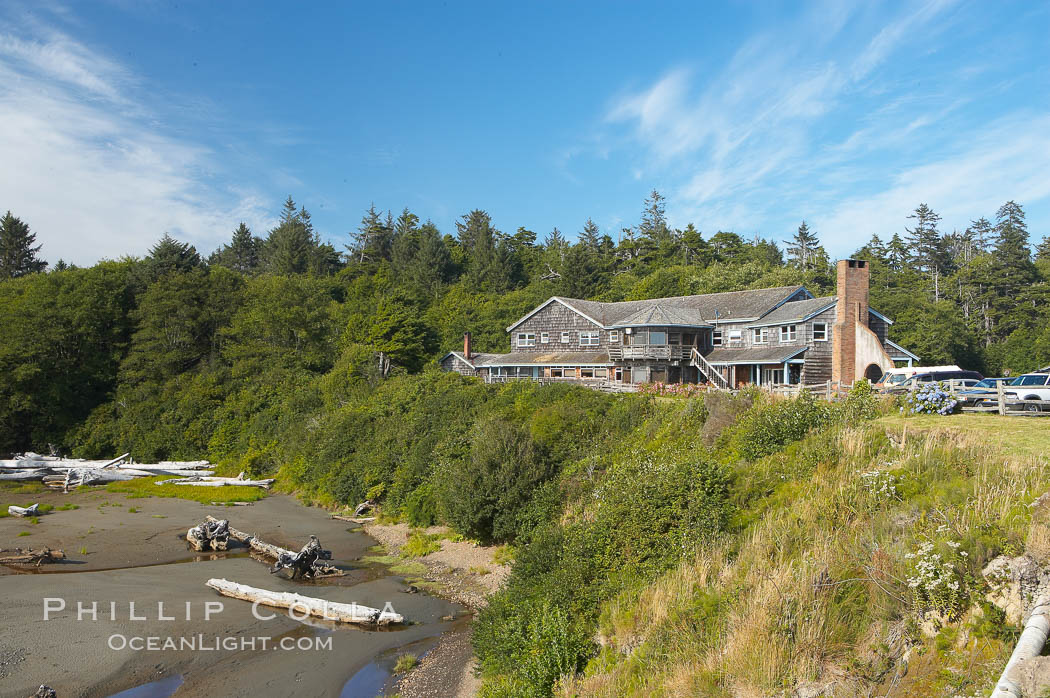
[959, 377]
[982, 390]
[895, 376]
[1031, 387]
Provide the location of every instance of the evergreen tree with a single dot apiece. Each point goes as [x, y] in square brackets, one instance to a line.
[18, 256]
[897, 254]
[1014, 269]
[802, 247]
[169, 255]
[981, 233]
[242, 252]
[695, 250]
[928, 248]
[590, 236]
[289, 245]
[374, 238]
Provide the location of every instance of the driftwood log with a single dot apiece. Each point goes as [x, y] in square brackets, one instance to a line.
[31, 510]
[306, 562]
[209, 535]
[364, 506]
[200, 481]
[305, 605]
[319, 565]
[30, 556]
[354, 519]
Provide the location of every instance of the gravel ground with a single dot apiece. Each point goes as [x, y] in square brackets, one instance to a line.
[457, 567]
[467, 574]
[10, 658]
[447, 671]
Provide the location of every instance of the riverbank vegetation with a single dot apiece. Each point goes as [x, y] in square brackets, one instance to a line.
[664, 542]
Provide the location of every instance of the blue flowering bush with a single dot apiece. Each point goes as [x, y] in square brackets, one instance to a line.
[931, 398]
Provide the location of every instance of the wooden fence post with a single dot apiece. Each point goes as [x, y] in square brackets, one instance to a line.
[1002, 397]
[827, 392]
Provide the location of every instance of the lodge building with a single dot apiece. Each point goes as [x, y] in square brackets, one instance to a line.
[771, 336]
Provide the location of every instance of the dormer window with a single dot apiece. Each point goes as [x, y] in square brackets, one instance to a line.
[716, 338]
[758, 335]
[788, 333]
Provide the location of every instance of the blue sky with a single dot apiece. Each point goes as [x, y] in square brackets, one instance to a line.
[123, 120]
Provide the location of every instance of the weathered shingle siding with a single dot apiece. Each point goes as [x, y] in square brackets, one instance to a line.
[555, 319]
[817, 368]
[879, 327]
[454, 363]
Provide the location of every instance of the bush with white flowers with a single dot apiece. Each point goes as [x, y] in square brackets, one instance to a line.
[880, 485]
[938, 578]
[931, 398]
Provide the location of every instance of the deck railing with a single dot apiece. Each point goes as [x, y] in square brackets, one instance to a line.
[666, 352]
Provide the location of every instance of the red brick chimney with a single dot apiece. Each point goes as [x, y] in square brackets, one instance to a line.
[850, 311]
[466, 346]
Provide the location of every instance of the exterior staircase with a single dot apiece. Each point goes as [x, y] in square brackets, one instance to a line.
[697, 360]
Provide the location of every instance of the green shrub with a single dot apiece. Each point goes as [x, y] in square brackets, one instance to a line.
[531, 645]
[770, 425]
[420, 508]
[420, 544]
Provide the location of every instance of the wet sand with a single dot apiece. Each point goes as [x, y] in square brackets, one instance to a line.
[153, 564]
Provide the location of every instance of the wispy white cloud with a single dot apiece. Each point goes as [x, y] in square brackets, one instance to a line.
[819, 120]
[95, 174]
[1011, 155]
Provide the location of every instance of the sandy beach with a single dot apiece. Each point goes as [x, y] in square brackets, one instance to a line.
[141, 557]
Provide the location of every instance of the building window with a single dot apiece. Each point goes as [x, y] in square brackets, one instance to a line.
[565, 338]
[736, 336]
[787, 333]
[545, 338]
[526, 339]
[758, 335]
[820, 331]
[716, 338]
[658, 337]
[674, 338]
[614, 337]
[590, 339]
[556, 372]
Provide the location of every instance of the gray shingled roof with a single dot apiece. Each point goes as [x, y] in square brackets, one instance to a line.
[554, 358]
[755, 355]
[731, 305]
[662, 315]
[796, 311]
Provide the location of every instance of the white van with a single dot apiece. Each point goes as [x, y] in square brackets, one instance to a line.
[896, 376]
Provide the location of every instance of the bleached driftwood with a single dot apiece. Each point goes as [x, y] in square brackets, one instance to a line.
[199, 481]
[31, 510]
[318, 564]
[354, 519]
[88, 476]
[209, 535]
[30, 556]
[364, 506]
[24, 475]
[306, 563]
[305, 605]
[1029, 645]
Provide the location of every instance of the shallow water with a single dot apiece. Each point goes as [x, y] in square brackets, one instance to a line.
[160, 568]
[153, 689]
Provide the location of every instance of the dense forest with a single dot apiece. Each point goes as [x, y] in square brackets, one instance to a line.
[149, 351]
[650, 534]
